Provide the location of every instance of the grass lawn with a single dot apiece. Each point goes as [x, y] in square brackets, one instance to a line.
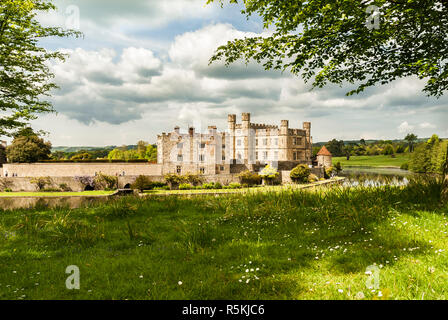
[258, 189]
[373, 161]
[294, 244]
[55, 194]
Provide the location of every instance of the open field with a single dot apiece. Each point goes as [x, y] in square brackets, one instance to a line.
[374, 161]
[56, 194]
[291, 245]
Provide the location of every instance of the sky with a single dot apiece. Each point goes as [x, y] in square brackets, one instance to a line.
[142, 67]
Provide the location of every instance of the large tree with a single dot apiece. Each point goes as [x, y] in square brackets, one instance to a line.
[28, 147]
[338, 41]
[25, 78]
[335, 41]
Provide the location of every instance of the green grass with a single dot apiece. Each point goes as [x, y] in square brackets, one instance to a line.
[55, 194]
[294, 244]
[258, 189]
[374, 161]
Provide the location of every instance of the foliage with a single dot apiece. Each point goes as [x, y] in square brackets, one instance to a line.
[64, 187]
[86, 181]
[312, 178]
[105, 182]
[208, 186]
[411, 139]
[82, 156]
[28, 147]
[25, 76]
[336, 147]
[142, 183]
[234, 185]
[6, 183]
[250, 178]
[338, 167]
[144, 151]
[269, 174]
[194, 179]
[330, 172]
[41, 182]
[336, 42]
[300, 173]
[388, 150]
[185, 186]
[430, 156]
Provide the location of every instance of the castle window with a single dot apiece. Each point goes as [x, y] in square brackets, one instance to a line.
[294, 155]
[238, 142]
[256, 142]
[179, 169]
[265, 142]
[256, 155]
[202, 170]
[276, 141]
[275, 155]
[223, 146]
[221, 168]
[223, 157]
[180, 157]
[265, 155]
[202, 157]
[180, 145]
[239, 156]
[202, 145]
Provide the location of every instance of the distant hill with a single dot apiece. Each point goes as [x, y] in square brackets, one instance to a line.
[320, 144]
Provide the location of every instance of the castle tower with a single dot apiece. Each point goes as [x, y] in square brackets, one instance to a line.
[230, 142]
[308, 142]
[245, 118]
[283, 140]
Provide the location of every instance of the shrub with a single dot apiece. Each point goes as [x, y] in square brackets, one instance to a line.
[86, 181]
[250, 178]
[41, 182]
[269, 174]
[185, 186]
[338, 167]
[7, 190]
[51, 190]
[208, 186]
[330, 172]
[234, 185]
[64, 187]
[405, 166]
[162, 188]
[194, 179]
[173, 180]
[142, 183]
[300, 173]
[312, 178]
[6, 183]
[218, 185]
[104, 181]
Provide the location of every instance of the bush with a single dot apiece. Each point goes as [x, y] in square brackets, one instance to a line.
[186, 186]
[64, 187]
[312, 178]
[41, 182]
[7, 190]
[194, 179]
[142, 183]
[51, 190]
[105, 182]
[173, 180]
[300, 173]
[269, 174]
[162, 188]
[250, 178]
[330, 172]
[218, 185]
[234, 185]
[208, 186]
[405, 166]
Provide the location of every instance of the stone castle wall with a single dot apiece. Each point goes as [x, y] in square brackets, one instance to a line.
[80, 169]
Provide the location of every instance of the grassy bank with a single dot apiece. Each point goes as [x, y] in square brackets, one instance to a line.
[56, 194]
[374, 161]
[293, 244]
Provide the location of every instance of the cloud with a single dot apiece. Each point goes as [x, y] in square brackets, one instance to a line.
[426, 125]
[405, 127]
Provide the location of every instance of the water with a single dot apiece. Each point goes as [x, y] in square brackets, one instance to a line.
[375, 177]
[7, 203]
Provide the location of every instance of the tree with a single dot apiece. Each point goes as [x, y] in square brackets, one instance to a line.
[269, 174]
[335, 147]
[28, 148]
[411, 139]
[300, 173]
[335, 41]
[25, 77]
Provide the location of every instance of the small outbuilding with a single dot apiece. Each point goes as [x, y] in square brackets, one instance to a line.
[324, 158]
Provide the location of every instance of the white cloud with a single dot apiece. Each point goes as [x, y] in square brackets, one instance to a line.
[405, 127]
[426, 125]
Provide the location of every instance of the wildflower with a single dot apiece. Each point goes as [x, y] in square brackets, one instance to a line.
[360, 295]
[179, 283]
[340, 290]
[380, 294]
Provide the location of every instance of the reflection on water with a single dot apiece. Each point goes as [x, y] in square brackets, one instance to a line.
[7, 203]
[375, 177]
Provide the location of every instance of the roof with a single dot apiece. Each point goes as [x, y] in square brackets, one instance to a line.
[324, 152]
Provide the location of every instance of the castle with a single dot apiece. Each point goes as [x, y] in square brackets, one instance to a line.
[243, 146]
[219, 156]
